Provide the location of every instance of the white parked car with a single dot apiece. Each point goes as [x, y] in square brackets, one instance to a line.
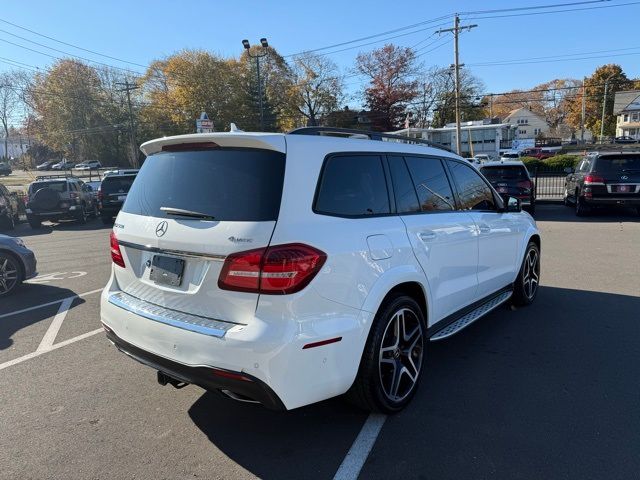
[90, 165]
[510, 156]
[286, 269]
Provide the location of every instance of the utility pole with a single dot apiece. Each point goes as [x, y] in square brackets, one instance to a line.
[457, 28]
[584, 108]
[604, 105]
[127, 87]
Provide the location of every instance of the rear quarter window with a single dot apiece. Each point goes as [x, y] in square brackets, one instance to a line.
[352, 186]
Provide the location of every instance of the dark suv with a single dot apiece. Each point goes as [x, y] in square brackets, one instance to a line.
[512, 178]
[59, 197]
[604, 179]
[8, 208]
[113, 192]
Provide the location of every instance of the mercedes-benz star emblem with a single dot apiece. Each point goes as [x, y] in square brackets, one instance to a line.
[161, 229]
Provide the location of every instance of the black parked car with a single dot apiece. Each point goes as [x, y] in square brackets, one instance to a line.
[5, 169]
[604, 179]
[113, 192]
[512, 178]
[8, 209]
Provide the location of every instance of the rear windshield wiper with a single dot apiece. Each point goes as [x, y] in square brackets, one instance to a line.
[186, 213]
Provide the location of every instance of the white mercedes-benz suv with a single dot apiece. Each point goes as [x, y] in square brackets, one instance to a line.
[286, 269]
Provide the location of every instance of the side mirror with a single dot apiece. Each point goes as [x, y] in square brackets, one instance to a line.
[568, 170]
[511, 204]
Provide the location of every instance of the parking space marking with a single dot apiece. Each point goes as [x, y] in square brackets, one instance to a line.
[55, 276]
[37, 353]
[42, 305]
[356, 456]
[47, 341]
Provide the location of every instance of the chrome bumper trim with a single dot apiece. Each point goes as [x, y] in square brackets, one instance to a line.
[180, 253]
[185, 321]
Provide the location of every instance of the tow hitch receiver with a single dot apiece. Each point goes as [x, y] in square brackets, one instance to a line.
[163, 379]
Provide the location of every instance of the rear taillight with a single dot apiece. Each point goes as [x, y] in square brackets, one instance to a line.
[99, 195]
[593, 179]
[525, 184]
[116, 254]
[276, 270]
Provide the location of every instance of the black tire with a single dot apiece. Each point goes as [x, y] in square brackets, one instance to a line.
[106, 220]
[81, 218]
[35, 223]
[7, 222]
[526, 285]
[10, 273]
[377, 375]
[581, 208]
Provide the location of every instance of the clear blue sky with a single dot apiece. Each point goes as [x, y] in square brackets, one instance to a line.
[141, 31]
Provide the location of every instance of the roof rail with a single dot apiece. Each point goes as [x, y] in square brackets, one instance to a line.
[353, 133]
[51, 177]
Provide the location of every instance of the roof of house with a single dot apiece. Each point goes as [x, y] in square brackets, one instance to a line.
[626, 100]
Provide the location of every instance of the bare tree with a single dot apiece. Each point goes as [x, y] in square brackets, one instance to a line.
[9, 103]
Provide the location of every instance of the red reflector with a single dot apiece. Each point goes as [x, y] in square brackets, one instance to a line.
[116, 254]
[183, 147]
[524, 184]
[232, 375]
[276, 270]
[323, 342]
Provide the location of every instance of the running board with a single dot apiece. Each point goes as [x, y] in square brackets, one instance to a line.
[468, 318]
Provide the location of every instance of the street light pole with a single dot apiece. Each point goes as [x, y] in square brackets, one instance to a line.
[265, 45]
[604, 105]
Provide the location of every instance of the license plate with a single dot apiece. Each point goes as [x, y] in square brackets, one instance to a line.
[624, 188]
[122, 198]
[166, 270]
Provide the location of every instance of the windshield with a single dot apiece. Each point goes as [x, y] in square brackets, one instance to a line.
[494, 174]
[57, 186]
[228, 184]
[510, 155]
[618, 164]
[115, 184]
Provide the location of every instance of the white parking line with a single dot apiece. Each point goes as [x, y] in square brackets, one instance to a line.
[47, 341]
[42, 305]
[356, 456]
[29, 356]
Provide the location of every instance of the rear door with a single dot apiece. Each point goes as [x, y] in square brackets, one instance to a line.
[443, 239]
[174, 260]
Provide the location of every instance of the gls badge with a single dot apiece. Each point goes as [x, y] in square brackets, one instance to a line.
[240, 240]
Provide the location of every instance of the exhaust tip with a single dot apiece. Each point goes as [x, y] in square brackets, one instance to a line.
[237, 397]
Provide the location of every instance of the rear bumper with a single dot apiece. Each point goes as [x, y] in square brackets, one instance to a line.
[631, 201]
[205, 377]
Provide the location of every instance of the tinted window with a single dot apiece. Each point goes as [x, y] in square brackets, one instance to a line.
[618, 164]
[115, 184]
[353, 185]
[431, 183]
[474, 193]
[496, 174]
[405, 192]
[231, 185]
[57, 186]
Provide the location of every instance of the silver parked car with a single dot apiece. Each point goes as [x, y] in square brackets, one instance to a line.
[17, 263]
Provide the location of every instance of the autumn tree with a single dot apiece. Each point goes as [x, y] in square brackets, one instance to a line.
[392, 72]
[316, 89]
[594, 96]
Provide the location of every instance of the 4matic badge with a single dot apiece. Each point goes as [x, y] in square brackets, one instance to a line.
[240, 240]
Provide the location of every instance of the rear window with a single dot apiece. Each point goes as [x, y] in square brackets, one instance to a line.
[117, 184]
[228, 184]
[496, 174]
[353, 186]
[57, 186]
[618, 164]
[510, 155]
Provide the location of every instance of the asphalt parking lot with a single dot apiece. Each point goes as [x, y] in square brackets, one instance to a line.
[548, 391]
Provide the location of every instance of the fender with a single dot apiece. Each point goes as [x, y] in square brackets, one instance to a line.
[391, 278]
[530, 232]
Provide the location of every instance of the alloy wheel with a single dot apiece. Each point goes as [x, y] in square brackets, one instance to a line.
[531, 273]
[400, 358]
[8, 274]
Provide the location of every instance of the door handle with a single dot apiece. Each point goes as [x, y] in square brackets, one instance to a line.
[427, 236]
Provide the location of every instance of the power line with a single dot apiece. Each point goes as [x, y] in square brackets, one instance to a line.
[481, 17]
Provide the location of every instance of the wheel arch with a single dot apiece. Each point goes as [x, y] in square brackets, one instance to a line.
[18, 259]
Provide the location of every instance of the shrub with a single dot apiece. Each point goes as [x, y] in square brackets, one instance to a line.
[562, 161]
[532, 163]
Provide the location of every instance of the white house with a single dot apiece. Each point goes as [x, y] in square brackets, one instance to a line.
[486, 137]
[627, 108]
[529, 125]
[16, 146]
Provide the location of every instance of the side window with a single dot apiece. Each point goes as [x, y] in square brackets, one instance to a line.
[585, 166]
[431, 183]
[474, 193]
[405, 192]
[353, 185]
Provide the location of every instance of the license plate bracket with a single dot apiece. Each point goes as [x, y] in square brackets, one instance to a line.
[166, 270]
